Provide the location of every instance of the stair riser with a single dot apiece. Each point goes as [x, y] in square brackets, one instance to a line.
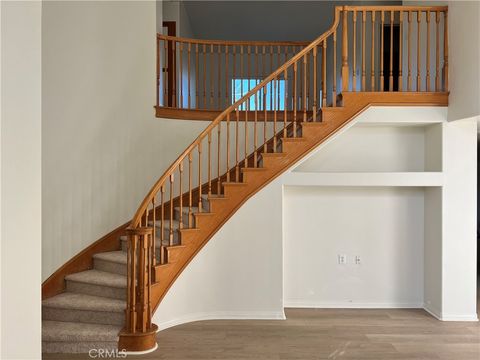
[97, 290]
[83, 316]
[185, 219]
[77, 347]
[111, 267]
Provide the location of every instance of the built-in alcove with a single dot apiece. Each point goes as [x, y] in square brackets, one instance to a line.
[367, 147]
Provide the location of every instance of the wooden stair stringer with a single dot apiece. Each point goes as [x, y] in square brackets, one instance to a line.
[334, 119]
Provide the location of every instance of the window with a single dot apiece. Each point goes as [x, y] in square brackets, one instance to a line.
[240, 87]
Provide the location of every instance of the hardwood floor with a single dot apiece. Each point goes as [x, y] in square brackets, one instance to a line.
[398, 334]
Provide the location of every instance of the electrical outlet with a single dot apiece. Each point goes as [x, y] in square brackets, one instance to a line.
[358, 260]
[342, 259]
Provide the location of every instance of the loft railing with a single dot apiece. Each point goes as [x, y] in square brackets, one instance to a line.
[274, 109]
[200, 74]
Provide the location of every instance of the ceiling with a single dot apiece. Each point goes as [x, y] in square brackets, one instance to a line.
[263, 20]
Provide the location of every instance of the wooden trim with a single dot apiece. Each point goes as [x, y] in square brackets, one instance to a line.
[232, 42]
[55, 283]
[208, 115]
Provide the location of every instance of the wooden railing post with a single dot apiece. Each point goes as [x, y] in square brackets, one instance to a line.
[445, 52]
[139, 332]
[345, 72]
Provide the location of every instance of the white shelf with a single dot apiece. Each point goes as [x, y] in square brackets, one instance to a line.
[363, 179]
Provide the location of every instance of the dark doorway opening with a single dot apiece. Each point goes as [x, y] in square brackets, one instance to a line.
[391, 68]
[169, 69]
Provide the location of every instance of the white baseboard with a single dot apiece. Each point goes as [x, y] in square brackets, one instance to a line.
[222, 315]
[351, 305]
[449, 317]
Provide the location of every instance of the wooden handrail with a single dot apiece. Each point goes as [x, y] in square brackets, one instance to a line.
[232, 42]
[288, 95]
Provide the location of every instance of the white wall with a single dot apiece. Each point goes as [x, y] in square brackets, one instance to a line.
[238, 274]
[20, 180]
[382, 225]
[102, 146]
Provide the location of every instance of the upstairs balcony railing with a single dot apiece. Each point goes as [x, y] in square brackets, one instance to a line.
[383, 48]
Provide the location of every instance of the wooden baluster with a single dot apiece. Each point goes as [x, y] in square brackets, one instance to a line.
[188, 70]
[247, 108]
[237, 147]
[256, 65]
[390, 79]
[212, 84]
[190, 199]
[400, 59]
[364, 73]
[324, 73]
[218, 155]
[295, 99]
[219, 76]
[234, 70]
[166, 101]
[300, 85]
[209, 165]
[199, 150]
[248, 67]
[428, 51]
[270, 71]
[382, 72]
[372, 56]
[180, 81]
[265, 116]
[174, 72]
[334, 90]
[226, 76]
[180, 179]
[278, 84]
[132, 281]
[205, 75]
[308, 79]
[154, 227]
[437, 51]
[275, 84]
[254, 132]
[304, 92]
[162, 224]
[157, 90]
[196, 77]
[241, 71]
[445, 52]
[228, 152]
[409, 42]
[419, 18]
[315, 95]
[170, 238]
[285, 104]
[345, 75]
[354, 65]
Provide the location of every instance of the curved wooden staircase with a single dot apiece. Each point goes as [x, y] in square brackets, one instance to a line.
[238, 154]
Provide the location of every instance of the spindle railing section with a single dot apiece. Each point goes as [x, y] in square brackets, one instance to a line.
[383, 48]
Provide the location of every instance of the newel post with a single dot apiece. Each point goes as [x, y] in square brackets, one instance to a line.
[139, 332]
[345, 72]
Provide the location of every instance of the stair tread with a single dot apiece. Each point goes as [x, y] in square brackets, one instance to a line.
[213, 196]
[119, 256]
[96, 277]
[166, 242]
[77, 301]
[166, 224]
[60, 331]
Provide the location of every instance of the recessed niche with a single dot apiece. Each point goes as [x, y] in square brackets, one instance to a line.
[380, 148]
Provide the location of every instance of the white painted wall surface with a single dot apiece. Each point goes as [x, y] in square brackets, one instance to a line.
[382, 225]
[20, 141]
[102, 146]
[459, 242]
[238, 274]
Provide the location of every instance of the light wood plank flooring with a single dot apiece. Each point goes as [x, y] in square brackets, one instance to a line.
[320, 334]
